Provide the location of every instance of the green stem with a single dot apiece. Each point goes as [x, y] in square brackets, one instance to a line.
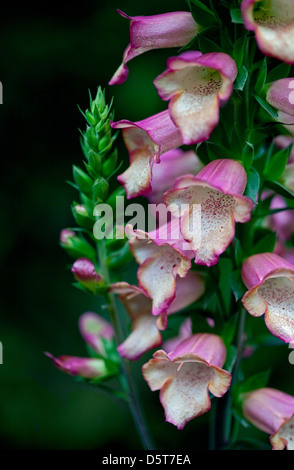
[129, 385]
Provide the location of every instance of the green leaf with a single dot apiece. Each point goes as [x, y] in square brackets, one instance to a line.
[241, 78]
[265, 244]
[236, 16]
[267, 107]
[201, 13]
[281, 71]
[254, 382]
[276, 165]
[248, 155]
[280, 189]
[237, 285]
[231, 358]
[206, 45]
[238, 53]
[238, 252]
[261, 77]
[253, 183]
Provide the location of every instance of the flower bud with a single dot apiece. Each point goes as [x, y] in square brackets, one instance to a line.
[85, 367]
[110, 164]
[96, 332]
[75, 245]
[100, 189]
[82, 180]
[82, 216]
[84, 272]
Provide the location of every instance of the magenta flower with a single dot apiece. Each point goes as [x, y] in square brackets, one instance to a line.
[196, 85]
[88, 368]
[146, 327]
[145, 141]
[282, 222]
[173, 29]
[161, 261]
[95, 330]
[186, 375]
[273, 24]
[84, 272]
[280, 95]
[219, 188]
[270, 280]
[272, 411]
[173, 164]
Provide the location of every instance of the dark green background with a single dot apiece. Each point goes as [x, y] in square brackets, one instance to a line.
[49, 60]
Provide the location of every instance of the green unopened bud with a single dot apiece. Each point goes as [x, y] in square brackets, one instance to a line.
[104, 142]
[91, 137]
[111, 201]
[76, 246]
[110, 164]
[82, 216]
[95, 162]
[100, 189]
[82, 180]
[90, 118]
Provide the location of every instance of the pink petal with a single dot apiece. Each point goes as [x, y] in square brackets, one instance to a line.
[85, 367]
[279, 94]
[196, 86]
[172, 164]
[173, 29]
[145, 141]
[93, 327]
[273, 27]
[271, 411]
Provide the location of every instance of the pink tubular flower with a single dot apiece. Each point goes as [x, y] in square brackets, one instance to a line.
[161, 261]
[273, 24]
[84, 272]
[145, 141]
[173, 164]
[185, 332]
[145, 333]
[173, 29]
[270, 280]
[272, 411]
[94, 330]
[282, 222]
[186, 375]
[280, 93]
[85, 367]
[196, 86]
[219, 188]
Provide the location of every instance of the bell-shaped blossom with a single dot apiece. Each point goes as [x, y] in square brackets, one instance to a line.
[219, 188]
[270, 282]
[88, 368]
[146, 327]
[146, 140]
[84, 271]
[185, 331]
[95, 330]
[196, 85]
[280, 95]
[173, 164]
[174, 29]
[161, 261]
[282, 222]
[273, 24]
[272, 411]
[186, 375]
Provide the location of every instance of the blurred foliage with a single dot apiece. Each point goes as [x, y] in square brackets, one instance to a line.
[49, 60]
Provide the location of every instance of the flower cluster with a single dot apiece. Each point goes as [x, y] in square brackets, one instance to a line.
[217, 257]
